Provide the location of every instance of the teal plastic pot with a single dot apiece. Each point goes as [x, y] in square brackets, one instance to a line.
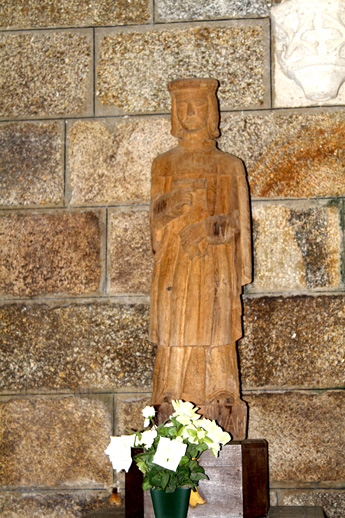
[170, 505]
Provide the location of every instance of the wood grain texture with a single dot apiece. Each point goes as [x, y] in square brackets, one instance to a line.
[201, 241]
[237, 485]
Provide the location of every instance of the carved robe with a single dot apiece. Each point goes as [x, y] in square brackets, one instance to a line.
[202, 253]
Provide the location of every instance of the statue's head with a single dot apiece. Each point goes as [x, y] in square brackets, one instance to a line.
[194, 107]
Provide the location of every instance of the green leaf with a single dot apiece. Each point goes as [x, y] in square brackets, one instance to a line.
[141, 465]
[193, 465]
[198, 476]
[146, 484]
[171, 487]
[184, 460]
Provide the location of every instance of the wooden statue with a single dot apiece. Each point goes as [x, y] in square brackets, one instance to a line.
[201, 240]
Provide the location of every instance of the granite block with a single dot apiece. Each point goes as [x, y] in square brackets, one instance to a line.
[110, 161]
[296, 246]
[128, 412]
[54, 442]
[294, 154]
[293, 342]
[83, 346]
[55, 504]
[332, 501]
[44, 253]
[273, 500]
[46, 74]
[21, 14]
[31, 164]
[131, 259]
[305, 433]
[193, 10]
[234, 53]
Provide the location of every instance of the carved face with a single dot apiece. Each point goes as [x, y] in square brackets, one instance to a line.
[192, 110]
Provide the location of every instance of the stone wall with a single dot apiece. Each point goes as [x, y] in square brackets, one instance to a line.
[84, 110]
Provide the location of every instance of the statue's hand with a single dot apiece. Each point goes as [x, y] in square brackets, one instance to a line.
[170, 205]
[178, 199]
[193, 239]
[222, 228]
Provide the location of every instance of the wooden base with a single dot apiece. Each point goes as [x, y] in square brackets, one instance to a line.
[296, 512]
[237, 485]
[274, 512]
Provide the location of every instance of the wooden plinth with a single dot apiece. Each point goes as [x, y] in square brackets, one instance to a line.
[237, 485]
[274, 512]
[296, 512]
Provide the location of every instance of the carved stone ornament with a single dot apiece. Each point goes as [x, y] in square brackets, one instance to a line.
[310, 45]
[201, 241]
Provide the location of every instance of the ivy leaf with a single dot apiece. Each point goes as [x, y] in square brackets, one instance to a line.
[146, 484]
[198, 476]
[184, 460]
[171, 487]
[141, 465]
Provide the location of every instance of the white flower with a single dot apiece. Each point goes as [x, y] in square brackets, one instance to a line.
[185, 412]
[190, 433]
[216, 434]
[119, 451]
[148, 412]
[169, 453]
[148, 437]
[201, 434]
[193, 433]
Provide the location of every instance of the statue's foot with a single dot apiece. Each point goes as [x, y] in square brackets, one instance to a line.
[164, 411]
[230, 414]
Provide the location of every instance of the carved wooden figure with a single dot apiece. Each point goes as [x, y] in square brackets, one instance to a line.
[201, 240]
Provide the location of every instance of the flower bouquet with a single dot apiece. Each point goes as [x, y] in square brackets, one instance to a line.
[171, 450]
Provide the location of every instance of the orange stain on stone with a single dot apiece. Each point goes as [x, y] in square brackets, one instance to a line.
[309, 164]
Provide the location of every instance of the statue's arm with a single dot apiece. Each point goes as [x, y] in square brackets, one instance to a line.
[245, 224]
[166, 205]
[214, 230]
[222, 228]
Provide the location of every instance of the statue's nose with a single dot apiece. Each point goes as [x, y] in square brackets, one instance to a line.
[190, 109]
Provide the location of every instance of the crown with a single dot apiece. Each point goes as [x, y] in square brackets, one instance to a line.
[208, 84]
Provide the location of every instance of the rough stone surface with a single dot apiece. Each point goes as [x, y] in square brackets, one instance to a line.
[333, 502]
[128, 414]
[31, 164]
[130, 252]
[45, 74]
[296, 247]
[234, 54]
[305, 433]
[293, 342]
[57, 442]
[54, 505]
[195, 10]
[288, 155]
[46, 253]
[112, 162]
[43, 13]
[85, 346]
[273, 500]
